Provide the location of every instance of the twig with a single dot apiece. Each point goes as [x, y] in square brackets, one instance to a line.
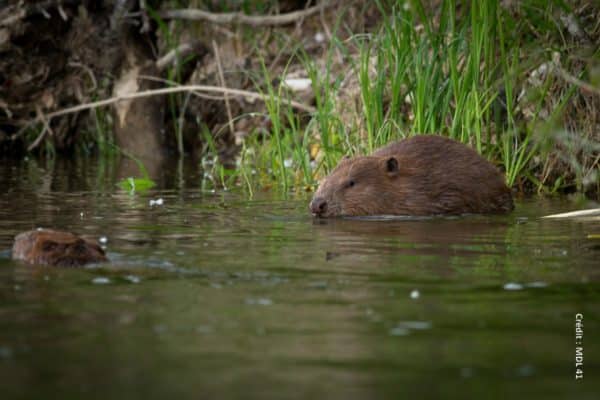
[244, 19]
[157, 92]
[46, 130]
[89, 72]
[172, 56]
[576, 81]
[175, 84]
[583, 213]
[5, 108]
[177, 89]
[222, 81]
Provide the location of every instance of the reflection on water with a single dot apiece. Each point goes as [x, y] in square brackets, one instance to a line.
[213, 295]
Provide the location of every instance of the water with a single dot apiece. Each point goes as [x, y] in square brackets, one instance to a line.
[214, 295]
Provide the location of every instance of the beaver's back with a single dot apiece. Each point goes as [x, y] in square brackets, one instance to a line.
[447, 177]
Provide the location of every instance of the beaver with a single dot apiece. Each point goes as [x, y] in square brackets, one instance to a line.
[50, 247]
[420, 176]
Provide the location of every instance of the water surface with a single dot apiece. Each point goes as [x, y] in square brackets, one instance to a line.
[216, 295]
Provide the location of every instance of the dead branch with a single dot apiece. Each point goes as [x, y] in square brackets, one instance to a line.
[576, 81]
[175, 54]
[175, 84]
[244, 19]
[582, 213]
[156, 92]
[45, 131]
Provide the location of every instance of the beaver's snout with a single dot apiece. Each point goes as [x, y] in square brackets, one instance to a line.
[318, 206]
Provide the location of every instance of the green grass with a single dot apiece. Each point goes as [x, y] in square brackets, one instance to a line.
[449, 74]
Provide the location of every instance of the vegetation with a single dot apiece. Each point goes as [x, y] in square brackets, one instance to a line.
[464, 72]
[518, 81]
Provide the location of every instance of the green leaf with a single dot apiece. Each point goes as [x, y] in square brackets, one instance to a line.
[139, 185]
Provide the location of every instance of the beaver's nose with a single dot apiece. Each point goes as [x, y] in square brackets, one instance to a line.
[318, 206]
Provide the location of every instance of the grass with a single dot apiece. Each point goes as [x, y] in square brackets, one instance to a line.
[448, 74]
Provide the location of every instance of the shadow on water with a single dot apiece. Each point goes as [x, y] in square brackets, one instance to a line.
[213, 295]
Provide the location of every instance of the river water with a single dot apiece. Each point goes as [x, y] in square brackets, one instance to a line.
[215, 295]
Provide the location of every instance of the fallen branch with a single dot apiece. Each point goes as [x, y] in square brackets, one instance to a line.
[244, 19]
[156, 92]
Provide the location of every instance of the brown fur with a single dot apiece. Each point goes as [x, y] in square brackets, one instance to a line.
[49, 247]
[422, 175]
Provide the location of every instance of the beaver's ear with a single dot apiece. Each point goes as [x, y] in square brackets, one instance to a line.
[346, 157]
[391, 166]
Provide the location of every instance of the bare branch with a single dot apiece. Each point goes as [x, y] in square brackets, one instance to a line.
[582, 213]
[45, 131]
[576, 81]
[173, 55]
[244, 19]
[156, 92]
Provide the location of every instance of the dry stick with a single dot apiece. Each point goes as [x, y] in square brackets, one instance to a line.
[175, 84]
[177, 89]
[88, 70]
[575, 81]
[42, 135]
[155, 92]
[241, 18]
[180, 51]
[222, 81]
[573, 214]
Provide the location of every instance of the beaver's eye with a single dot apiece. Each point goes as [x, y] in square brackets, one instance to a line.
[350, 183]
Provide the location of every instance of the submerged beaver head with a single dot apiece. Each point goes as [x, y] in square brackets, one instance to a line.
[357, 186]
[50, 247]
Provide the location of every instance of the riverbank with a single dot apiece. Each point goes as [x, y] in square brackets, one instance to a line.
[282, 91]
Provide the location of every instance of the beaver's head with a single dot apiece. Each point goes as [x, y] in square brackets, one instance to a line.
[357, 186]
[51, 247]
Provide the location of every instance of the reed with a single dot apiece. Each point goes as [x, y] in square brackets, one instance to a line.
[420, 73]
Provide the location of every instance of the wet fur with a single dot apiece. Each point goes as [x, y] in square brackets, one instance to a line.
[50, 247]
[435, 176]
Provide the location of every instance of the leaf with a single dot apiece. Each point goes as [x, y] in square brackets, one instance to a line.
[133, 185]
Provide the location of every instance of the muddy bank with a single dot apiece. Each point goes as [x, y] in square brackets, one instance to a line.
[55, 55]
